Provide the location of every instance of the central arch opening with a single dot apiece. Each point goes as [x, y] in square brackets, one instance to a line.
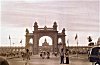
[45, 44]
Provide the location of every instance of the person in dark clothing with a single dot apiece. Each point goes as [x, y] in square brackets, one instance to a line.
[41, 54]
[55, 54]
[3, 61]
[62, 56]
[48, 55]
[27, 50]
[28, 54]
[67, 56]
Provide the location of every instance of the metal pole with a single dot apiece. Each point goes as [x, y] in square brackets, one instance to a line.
[45, 20]
[10, 45]
[21, 47]
[77, 48]
[68, 47]
[10, 48]
[68, 43]
[13, 46]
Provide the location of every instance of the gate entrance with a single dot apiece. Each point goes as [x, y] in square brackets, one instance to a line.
[39, 32]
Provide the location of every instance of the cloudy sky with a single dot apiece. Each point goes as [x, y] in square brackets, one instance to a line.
[76, 16]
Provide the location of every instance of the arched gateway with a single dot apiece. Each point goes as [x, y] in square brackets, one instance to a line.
[39, 32]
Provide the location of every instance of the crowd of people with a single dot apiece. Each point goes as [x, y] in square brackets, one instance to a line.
[64, 54]
[45, 55]
[26, 55]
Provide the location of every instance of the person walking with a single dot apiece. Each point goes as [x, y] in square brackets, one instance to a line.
[67, 56]
[28, 54]
[62, 56]
[41, 54]
[56, 54]
[48, 55]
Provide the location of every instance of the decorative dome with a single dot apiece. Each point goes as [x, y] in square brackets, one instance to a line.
[45, 43]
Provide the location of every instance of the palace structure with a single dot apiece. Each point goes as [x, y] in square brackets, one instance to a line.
[53, 34]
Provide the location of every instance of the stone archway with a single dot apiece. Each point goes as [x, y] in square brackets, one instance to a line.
[39, 32]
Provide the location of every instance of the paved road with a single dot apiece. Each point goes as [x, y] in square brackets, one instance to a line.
[36, 60]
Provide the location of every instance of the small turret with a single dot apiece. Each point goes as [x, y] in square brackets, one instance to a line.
[55, 26]
[63, 31]
[35, 26]
[45, 40]
[27, 31]
[45, 43]
[45, 28]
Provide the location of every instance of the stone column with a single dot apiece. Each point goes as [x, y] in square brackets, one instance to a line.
[63, 42]
[35, 44]
[27, 40]
[55, 41]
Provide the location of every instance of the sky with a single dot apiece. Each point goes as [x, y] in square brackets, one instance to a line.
[79, 17]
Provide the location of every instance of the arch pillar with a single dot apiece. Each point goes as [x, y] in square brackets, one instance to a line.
[55, 44]
[35, 44]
